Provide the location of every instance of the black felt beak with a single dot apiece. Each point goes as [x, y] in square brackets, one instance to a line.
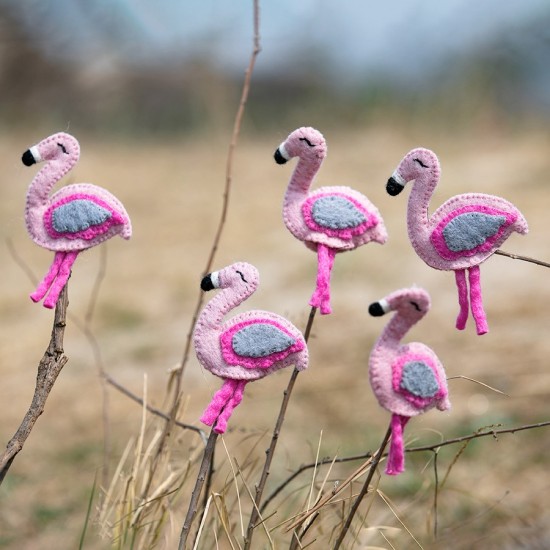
[376, 310]
[393, 188]
[206, 283]
[28, 158]
[279, 159]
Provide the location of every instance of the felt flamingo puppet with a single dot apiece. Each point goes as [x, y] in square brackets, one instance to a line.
[461, 234]
[75, 218]
[246, 347]
[406, 379]
[329, 219]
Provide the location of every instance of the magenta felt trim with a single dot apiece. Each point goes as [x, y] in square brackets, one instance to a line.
[346, 234]
[397, 371]
[91, 232]
[233, 358]
[440, 245]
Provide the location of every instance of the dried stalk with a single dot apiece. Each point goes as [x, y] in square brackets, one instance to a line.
[50, 366]
[375, 460]
[254, 516]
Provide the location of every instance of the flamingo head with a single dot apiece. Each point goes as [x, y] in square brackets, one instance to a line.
[240, 276]
[306, 143]
[57, 147]
[412, 303]
[419, 164]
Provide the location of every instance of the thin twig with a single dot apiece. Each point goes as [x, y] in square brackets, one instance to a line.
[122, 389]
[306, 467]
[195, 495]
[436, 491]
[522, 258]
[375, 460]
[492, 433]
[50, 366]
[274, 438]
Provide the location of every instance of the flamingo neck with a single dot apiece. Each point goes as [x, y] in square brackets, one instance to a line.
[46, 178]
[418, 218]
[302, 177]
[395, 331]
[217, 308]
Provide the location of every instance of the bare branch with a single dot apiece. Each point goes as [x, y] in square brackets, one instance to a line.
[50, 366]
[522, 258]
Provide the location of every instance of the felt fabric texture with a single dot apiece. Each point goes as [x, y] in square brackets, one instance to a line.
[337, 217]
[73, 219]
[223, 403]
[407, 379]
[245, 347]
[396, 457]
[321, 296]
[461, 234]
[258, 343]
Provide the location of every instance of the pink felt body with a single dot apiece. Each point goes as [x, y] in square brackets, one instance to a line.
[443, 250]
[38, 220]
[212, 340]
[232, 358]
[92, 232]
[310, 147]
[386, 363]
[426, 231]
[60, 152]
[345, 234]
[418, 402]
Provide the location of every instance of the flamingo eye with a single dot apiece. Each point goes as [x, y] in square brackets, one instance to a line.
[415, 305]
[421, 163]
[63, 148]
[241, 275]
[308, 142]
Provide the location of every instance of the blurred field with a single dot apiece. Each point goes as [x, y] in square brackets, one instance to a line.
[496, 495]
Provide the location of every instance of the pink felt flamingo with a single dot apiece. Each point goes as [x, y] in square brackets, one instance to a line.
[75, 218]
[463, 232]
[246, 347]
[406, 379]
[329, 219]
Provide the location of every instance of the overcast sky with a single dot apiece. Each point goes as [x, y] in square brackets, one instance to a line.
[351, 36]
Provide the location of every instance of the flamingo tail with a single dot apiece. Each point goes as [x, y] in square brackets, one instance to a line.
[232, 403]
[460, 277]
[46, 283]
[61, 278]
[321, 297]
[396, 457]
[476, 300]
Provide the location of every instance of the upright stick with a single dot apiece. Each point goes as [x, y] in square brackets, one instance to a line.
[195, 495]
[364, 490]
[254, 516]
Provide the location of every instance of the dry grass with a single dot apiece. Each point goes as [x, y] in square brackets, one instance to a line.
[495, 493]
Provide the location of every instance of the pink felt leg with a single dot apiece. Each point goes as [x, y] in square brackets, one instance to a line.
[476, 301]
[396, 457]
[221, 397]
[321, 296]
[460, 276]
[47, 281]
[236, 398]
[61, 279]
